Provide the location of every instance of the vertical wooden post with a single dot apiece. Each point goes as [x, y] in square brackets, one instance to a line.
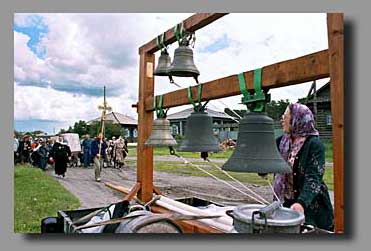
[335, 28]
[145, 120]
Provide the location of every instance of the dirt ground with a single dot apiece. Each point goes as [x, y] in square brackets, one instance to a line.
[80, 181]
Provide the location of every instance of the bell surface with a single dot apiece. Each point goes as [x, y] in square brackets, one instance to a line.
[256, 150]
[163, 64]
[161, 135]
[199, 136]
[183, 64]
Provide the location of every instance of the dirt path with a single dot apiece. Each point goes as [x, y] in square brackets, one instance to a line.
[80, 181]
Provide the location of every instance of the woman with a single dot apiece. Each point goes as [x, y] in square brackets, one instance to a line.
[120, 151]
[303, 190]
[61, 153]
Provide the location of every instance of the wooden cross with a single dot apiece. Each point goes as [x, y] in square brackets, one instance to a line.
[105, 107]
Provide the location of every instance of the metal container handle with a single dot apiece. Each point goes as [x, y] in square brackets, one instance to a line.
[269, 210]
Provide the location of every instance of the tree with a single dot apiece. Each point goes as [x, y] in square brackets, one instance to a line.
[275, 109]
[81, 128]
[111, 129]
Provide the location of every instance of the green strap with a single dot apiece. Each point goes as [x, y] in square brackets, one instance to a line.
[242, 83]
[158, 108]
[179, 33]
[160, 41]
[189, 94]
[258, 97]
[199, 94]
[258, 82]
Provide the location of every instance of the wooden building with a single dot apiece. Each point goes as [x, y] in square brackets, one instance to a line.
[224, 125]
[128, 124]
[319, 102]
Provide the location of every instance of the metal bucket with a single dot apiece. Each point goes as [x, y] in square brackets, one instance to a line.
[255, 219]
[147, 222]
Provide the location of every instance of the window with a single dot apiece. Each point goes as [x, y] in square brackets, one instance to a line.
[175, 130]
[329, 119]
[135, 133]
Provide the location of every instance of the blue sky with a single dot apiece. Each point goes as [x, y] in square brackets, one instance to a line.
[62, 61]
[35, 31]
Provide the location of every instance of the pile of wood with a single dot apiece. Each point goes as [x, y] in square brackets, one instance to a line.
[227, 144]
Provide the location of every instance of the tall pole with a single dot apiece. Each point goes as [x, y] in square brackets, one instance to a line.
[104, 108]
[335, 29]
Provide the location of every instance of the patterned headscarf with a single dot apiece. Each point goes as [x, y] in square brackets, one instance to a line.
[301, 126]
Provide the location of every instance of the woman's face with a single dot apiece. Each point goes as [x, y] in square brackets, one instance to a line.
[285, 120]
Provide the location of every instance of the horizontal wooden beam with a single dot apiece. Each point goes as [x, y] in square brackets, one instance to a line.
[189, 226]
[294, 71]
[191, 24]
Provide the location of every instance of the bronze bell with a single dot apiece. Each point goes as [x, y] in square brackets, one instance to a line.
[161, 135]
[199, 136]
[163, 64]
[256, 150]
[183, 65]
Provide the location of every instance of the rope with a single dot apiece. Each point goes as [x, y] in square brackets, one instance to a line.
[220, 180]
[274, 193]
[240, 183]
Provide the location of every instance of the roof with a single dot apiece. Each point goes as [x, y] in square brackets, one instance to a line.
[185, 113]
[116, 117]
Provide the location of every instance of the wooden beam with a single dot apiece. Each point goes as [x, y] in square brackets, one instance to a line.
[133, 192]
[335, 29]
[294, 71]
[145, 119]
[191, 24]
[189, 226]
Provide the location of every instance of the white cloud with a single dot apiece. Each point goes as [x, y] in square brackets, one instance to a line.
[87, 51]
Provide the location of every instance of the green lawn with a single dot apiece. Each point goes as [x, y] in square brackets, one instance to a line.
[328, 151]
[180, 168]
[36, 196]
[161, 151]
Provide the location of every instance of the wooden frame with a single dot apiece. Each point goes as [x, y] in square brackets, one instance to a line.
[327, 63]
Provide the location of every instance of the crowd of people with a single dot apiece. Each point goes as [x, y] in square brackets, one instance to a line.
[46, 153]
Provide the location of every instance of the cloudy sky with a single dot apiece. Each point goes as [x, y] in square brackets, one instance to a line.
[62, 61]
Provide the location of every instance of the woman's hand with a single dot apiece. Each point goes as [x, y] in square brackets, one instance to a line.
[297, 207]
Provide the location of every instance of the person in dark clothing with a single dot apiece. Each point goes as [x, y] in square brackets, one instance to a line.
[24, 149]
[43, 153]
[86, 149]
[98, 152]
[303, 190]
[61, 153]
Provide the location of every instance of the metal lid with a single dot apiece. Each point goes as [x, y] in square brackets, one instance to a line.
[280, 217]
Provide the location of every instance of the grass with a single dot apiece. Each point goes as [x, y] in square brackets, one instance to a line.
[36, 196]
[180, 168]
[328, 150]
[163, 151]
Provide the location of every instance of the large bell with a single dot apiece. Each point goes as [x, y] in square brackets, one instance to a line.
[161, 135]
[199, 135]
[183, 65]
[256, 150]
[163, 64]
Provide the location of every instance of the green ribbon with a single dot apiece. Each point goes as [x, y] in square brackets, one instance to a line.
[160, 41]
[158, 108]
[197, 107]
[179, 33]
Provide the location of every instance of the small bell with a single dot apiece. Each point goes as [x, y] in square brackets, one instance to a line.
[256, 149]
[183, 64]
[163, 64]
[161, 135]
[199, 135]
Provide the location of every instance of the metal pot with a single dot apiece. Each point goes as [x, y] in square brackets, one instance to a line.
[273, 218]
